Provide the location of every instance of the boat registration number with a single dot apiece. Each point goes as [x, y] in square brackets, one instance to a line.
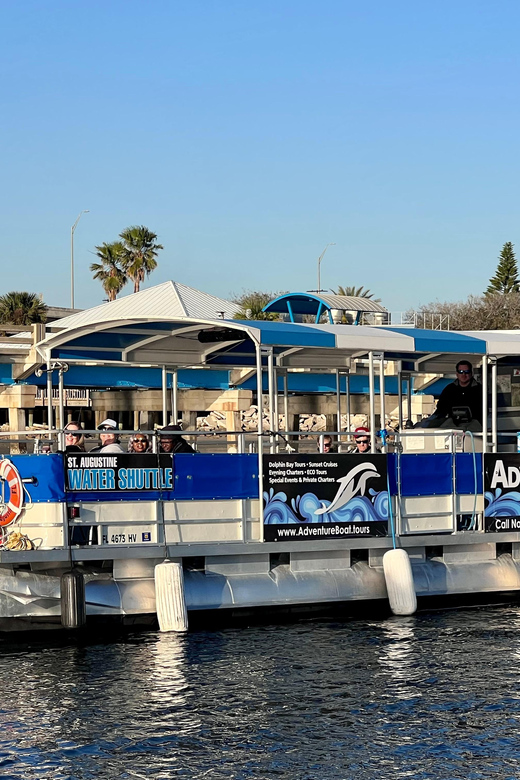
[137, 534]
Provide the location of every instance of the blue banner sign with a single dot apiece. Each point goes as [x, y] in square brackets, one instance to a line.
[113, 472]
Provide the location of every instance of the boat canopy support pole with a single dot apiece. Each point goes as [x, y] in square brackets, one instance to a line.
[175, 400]
[286, 400]
[371, 384]
[484, 404]
[338, 401]
[409, 397]
[260, 443]
[164, 378]
[270, 387]
[49, 395]
[494, 436]
[61, 403]
[400, 394]
[347, 394]
[382, 396]
[276, 402]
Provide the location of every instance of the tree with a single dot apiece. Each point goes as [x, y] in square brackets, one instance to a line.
[505, 279]
[110, 270]
[478, 312]
[251, 303]
[356, 292]
[140, 250]
[22, 308]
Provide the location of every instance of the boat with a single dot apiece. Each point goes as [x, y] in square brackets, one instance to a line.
[266, 520]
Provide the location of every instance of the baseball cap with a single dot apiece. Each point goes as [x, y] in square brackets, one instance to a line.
[361, 431]
[109, 423]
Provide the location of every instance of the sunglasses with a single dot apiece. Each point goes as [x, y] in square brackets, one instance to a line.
[362, 441]
[140, 441]
[463, 371]
[107, 428]
[74, 434]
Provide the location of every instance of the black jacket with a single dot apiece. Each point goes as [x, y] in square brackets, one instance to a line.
[455, 395]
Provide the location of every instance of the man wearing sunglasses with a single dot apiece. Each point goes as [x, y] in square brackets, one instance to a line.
[361, 442]
[464, 391]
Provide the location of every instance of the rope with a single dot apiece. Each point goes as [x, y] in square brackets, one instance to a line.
[390, 512]
[16, 540]
[473, 523]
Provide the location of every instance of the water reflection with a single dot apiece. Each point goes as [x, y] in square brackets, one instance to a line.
[399, 659]
[414, 697]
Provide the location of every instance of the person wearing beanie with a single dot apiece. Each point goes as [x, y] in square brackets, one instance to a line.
[170, 440]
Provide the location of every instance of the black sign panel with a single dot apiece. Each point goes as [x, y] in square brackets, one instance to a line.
[114, 472]
[324, 497]
[502, 492]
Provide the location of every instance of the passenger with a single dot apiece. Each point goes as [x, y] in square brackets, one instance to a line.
[361, 442]
[170, 440]
[109, 439]
[74, 439]
[464, 391]
[139, 443]
[328, 445]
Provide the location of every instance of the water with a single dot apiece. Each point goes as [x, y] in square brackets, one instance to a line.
[433, 696]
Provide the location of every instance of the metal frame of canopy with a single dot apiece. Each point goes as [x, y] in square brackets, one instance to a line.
[267, 346]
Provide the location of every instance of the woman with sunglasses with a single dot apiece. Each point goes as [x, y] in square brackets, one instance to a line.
[139, 443]
[74, 439]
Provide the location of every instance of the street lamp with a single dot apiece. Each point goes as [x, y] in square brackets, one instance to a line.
[73, 228]
[320, 258]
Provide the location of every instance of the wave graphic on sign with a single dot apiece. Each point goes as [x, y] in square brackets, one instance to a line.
[303, 509]
[499, 505]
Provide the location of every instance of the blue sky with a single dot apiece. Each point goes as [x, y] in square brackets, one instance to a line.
[248, 135]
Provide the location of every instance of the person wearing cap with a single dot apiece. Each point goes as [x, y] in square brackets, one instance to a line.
[361, 442]
[109, 437]
[170, 440]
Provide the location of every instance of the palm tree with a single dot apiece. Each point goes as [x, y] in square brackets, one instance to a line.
[22, 308]
[251, 303]
[140, 251]
[110, 271]
[356, 292]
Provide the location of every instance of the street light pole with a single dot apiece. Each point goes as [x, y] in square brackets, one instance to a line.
[73, 228]
[320, 258]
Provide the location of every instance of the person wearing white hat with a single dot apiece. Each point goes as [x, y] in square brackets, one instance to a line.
[109, 437]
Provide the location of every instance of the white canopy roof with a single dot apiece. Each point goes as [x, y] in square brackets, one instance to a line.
[168, 300]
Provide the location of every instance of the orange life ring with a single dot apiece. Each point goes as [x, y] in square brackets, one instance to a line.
[12, 508]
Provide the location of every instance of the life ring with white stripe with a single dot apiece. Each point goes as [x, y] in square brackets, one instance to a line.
[13, 507]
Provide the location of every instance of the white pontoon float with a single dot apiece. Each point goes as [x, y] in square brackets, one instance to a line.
[265, 526]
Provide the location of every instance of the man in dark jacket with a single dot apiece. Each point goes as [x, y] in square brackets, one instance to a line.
[170, 440]
[464, 391]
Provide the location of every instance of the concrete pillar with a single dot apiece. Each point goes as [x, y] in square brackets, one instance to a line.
[233, 423]
[30, 418]
[17, 423]
[293, 424]
[136, 421]
[146, 421]
[330, 422]
[189, 420]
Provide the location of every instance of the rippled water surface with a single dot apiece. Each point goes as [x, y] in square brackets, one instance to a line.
[434, 696]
